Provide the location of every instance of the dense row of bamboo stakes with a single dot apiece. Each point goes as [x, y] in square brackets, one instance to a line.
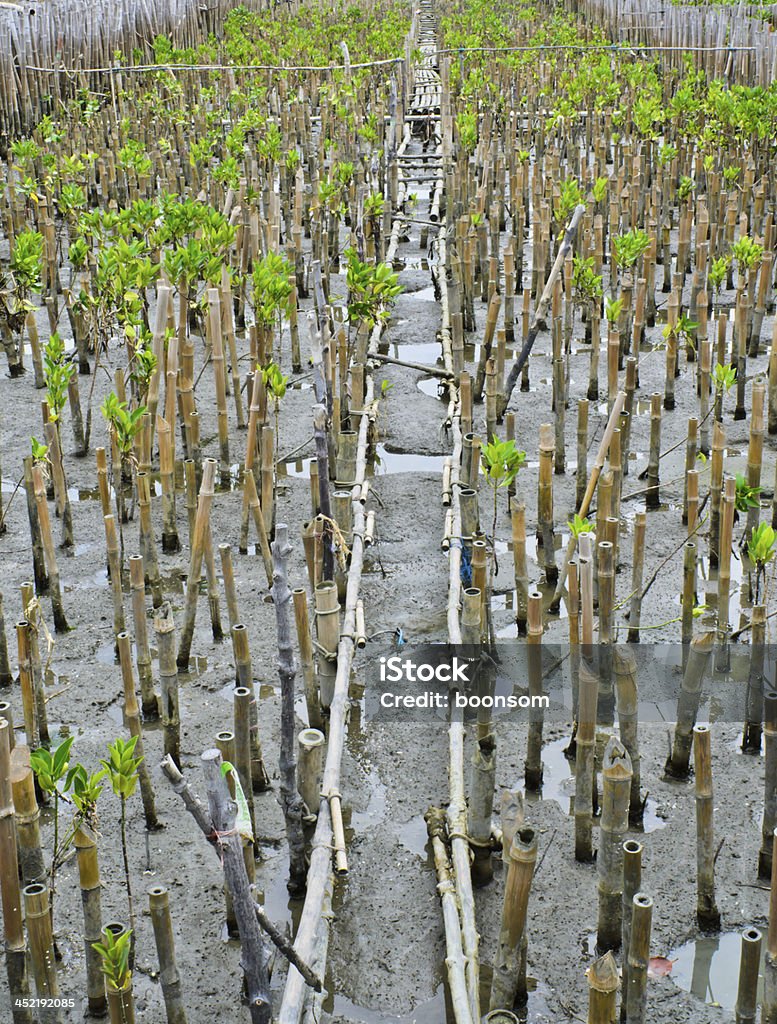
[501, 242]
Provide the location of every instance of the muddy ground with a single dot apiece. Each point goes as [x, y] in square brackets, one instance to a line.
[387, 950]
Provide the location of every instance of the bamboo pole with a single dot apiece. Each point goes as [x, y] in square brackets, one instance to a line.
[148, 698]
[585, 737]
[305, 643]
[446, 889]
[38, 558]
[639, 957]
[310, 761]
[230, 591]
[241, 701]
[746, 1008]
[195, 564]
[603, 986]
[677, 765]
[26, 817]
[707, 912]
[29, 704]
[148, 540]
[244, 677]
[328, 630]
[632, 883]
[114, 571]
[582, 510]
[89, 881]
[769, 1008]
[44, 967]
[10, 894]
[57, 607]
[169, 976]
[769, 822]
[164, 628]
[481, 803]
[638, 565]
[616, 787]
[506, 983]
[132, 718]
[533, 768]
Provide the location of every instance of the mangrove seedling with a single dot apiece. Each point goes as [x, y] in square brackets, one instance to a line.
[746, 497]
[579, 524]
[501, 461]
[123, 425]
[122, 772]
[58, 374]
[51, 771]
[724, 378]
[760, 551]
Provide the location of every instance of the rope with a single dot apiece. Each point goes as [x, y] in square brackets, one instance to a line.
[536, 48]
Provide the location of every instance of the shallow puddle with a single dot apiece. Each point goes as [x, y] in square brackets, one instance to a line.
[382, 463]
[708, 968]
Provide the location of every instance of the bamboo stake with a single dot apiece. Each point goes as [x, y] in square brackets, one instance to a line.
[170, 542]
[481, 802]
[38, 558]
[506, 982]
[585, 737]
[616, 786]
[305, 643]
[746, 1007]
[627, 701]
[230, 591]
[241, 700]
[132, 718]
[637, 570]
[58, 611]
[533, 768]
[26, 817]
[677, 766]
[632, 882]
[148, 540]
[114, 569]
[328, 629]
[164, 628]
[770, 786]
[44, 967]
[602, 990]
[707, 912]
[195, 563]
[159, 907]
[148, 698]
[639, 956]
[10, 895]
[540, 309]
[89, 881]
[244, 677]
[593, 479]
[29, 704]
[769, 1009]
[310, 746]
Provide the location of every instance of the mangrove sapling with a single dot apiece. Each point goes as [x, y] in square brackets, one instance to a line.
[123, 425]
[122, 773]
[290, 799]
[761, 551]
[501, 461]
[15, 290]
[115, 952]
[51, 773]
